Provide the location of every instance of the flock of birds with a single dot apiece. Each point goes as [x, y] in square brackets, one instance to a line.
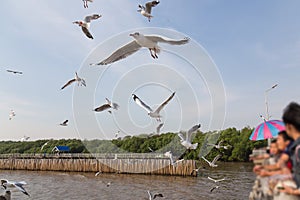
[139, 41]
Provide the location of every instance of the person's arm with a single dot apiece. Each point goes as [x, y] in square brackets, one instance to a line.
[281, 162]
[289, 190]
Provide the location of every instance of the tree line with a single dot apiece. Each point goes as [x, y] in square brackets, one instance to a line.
[240, 147]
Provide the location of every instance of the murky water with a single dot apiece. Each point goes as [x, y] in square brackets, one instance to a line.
[60, 185]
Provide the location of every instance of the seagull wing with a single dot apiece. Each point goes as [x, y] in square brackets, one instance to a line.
[191, 131]
[65, 122]
[212, 189]
[103, 107]
[149, 6]
[172, 42]
[121, 53]
[164, 103]
[159, 127]
[219, 144]
[20, 187]
[157, 195]
[216, 158]
[139, 102]
[68, 83]
[206, 160]
[180, 135]
[211, 179]
[89, 18]
[87, 32]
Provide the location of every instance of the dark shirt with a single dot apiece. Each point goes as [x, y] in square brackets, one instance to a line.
[295, 157]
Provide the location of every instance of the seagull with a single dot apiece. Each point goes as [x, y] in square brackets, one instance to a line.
[140, 40]
[85, 3]
[14, 72]
[25, 138]
[46, 143]
[216, 180]
[170, 156]
[153, 196]
[117, 134]
[106, 106]
[197, 170]
[65, 123]
[11, 114]
[108, 184]
[150, 149]
[19, 185]
[85, 24]
[159, 127]
[6, 196]
[154, 114]
[218, 146]
[76, 79]
[146, 10]
[215, 187]
[98, 173]
[186, 142]
[212, 163]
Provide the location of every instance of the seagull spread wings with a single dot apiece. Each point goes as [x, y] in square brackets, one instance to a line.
[121, 53]
[164, 103]
[216, 180]
[139, 102]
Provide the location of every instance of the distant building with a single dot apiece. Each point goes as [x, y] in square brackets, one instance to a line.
[61, 149]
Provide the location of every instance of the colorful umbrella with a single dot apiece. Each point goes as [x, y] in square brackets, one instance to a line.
[268, 129]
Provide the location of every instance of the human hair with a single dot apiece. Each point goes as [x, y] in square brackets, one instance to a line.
[285, 136]
[273, 141]
[291, 115]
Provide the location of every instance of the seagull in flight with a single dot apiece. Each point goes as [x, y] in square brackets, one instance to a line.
[85, 24]
[6, 196]
[140, 40]
[186, 142]
[11, 114]
[65, 123]
[219, 146]
[170, 156]
[24, 138]
[154, 114]
[216, 180]
[106, 106]
[153, 196]
[46, 143]
[159, 127]
[19, 185]
[85, 3]
[146, 10]
[197, 170]
[80, 81]
[14, 72]
[212, 163]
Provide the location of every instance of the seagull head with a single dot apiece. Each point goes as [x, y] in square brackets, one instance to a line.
[135, 35]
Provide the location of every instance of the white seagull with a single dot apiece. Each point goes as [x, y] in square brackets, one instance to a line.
[216, 180]
[154, 114]
[117, 134]
[98, 173]
[46, 143]
[153, 196]
[65, 123]
[85, 3]
[146, 10]
[11, 114]
[6, 196]
[219, 146]
[80, 81]
[24, 138]
[212, 163]
[19, 185]
[85, 24]
[187, 141]
[106, 106]
[159, 127]
[140, 40]
[170, 156]
[14, 72]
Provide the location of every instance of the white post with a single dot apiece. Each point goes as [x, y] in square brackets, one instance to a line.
[267, 107]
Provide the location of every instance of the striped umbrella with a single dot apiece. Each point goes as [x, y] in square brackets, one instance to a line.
[267, 129]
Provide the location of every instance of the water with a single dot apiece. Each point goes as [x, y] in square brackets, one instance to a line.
[60, 185]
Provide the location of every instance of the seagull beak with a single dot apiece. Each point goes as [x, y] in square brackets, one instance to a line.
[131, 34]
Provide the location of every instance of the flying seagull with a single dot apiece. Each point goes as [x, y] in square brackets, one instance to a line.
[14, 72]
[140, 40]
[106, 106]
[6, 196]
[11, 114]
[80, 81]
[19, 185]
[213, 188]
[216, 180]
[117, 134]
[159, 127]
[65, 123]
[153, 196]
[85, 24]
[187, 141]
[154, 114]
[46, 143]
[170, 156]
[197, 170]
[85, 3]
[24, 138]
[98, 173]
[219, 146]
[212, 163]
[146, 10]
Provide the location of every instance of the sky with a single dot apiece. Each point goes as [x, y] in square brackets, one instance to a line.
[237, 50]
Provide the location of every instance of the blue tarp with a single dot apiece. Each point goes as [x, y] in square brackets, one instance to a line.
[61, 148]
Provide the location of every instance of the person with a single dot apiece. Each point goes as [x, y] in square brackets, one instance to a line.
[283, 164]
[291, 118]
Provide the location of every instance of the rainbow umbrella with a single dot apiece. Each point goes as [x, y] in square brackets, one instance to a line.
[267, 129]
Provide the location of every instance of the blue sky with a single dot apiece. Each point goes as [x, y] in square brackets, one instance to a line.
[252, 46]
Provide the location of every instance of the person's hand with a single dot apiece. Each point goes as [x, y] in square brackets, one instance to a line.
[288, 190]
[263, 173]
[257, 168]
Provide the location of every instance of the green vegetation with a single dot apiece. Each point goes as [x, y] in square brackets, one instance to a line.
[241, 146]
